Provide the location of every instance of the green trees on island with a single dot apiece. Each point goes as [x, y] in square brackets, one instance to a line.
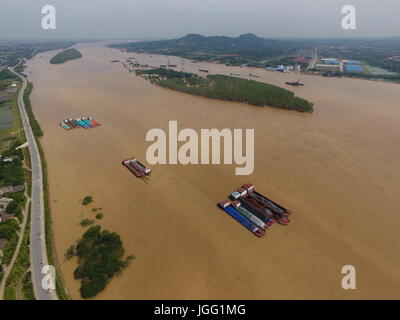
[99, 255]
[228, 88]
[65, 55]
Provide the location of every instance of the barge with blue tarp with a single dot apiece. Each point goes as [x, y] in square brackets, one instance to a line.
[226, 206]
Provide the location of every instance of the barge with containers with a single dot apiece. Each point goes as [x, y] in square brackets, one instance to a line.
[85, 123]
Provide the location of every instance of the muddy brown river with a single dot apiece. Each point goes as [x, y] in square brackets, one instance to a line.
[336, 169]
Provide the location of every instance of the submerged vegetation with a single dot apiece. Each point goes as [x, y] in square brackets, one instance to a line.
[65, 55]
[228, 88]
[86, 200]
[99, 255]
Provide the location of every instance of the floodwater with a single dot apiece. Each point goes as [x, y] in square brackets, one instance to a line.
[337, 170]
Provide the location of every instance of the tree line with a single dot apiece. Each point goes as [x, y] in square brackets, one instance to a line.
[228, 88]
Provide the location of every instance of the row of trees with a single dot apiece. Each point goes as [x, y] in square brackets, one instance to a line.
[36, 129]
[231, 89]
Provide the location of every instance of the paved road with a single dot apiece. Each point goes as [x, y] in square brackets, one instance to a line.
[38, 254]
[314, 59]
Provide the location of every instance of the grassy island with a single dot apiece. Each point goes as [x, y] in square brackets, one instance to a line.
[227, 88]
[65, 55]
[99, 255]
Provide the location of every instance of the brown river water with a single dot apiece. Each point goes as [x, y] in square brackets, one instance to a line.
[337, 169]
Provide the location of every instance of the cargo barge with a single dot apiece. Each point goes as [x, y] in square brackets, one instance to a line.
[259, 204]
[265, 216]
[226, 206]
[85, 123]
[268, 202]
[64, 125]
[136, 167]
[253, 218]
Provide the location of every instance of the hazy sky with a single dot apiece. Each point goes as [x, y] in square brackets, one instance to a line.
[117, 19]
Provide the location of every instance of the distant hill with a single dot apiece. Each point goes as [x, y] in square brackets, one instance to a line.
[245, 47]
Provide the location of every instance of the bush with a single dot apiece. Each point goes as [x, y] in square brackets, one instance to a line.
[70, 253]
[86, 222]
[99, 216]
[12, 207]
[86, 200]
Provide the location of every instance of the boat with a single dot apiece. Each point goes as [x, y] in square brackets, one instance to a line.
[295, 84]
[128, 163]
[82, 124]
[268, 202]
[136, 166]
[66, 127]
[88, 122]
[95, 122]
[226, 206]
[140, 166]
[253, 218]
[264, 215]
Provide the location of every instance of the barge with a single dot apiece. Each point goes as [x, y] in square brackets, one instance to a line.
[268, 202]
[261, 204]
[136, 167]
[226, 206]
[253, 218]
[85, 123]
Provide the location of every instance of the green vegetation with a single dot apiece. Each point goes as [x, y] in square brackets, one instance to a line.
[20, 267]
[12, 173]
[8, 230]
[37, 131]
[65, 55]
[99, 255]
[14, 51]
[99, 216]
[7, 75]
[86, 222]
[27, 287]
[86, 200]
[70, 253]
[228, 88]
[16, 206]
